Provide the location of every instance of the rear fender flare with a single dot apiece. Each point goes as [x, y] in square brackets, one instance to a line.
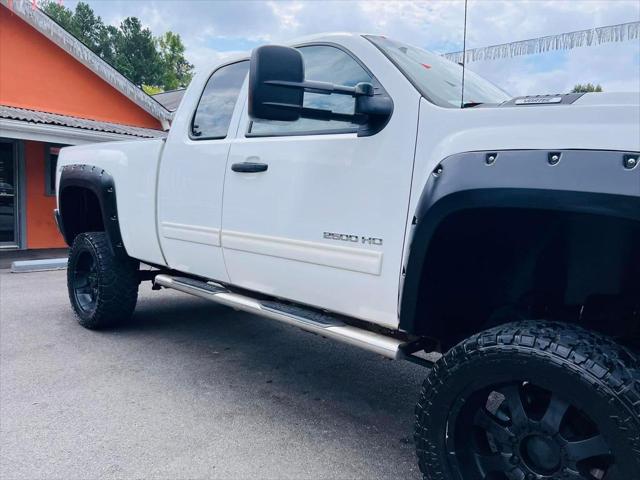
[102, 185]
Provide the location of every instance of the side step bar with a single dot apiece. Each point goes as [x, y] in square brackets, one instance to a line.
[308, 320]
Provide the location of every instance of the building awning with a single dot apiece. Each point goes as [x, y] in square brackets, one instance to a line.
[52, 127]
[48, 118]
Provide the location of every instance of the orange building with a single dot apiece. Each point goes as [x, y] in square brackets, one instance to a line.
[54, 92]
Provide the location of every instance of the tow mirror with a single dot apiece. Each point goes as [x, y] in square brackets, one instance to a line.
[273, 71]
[277, 86]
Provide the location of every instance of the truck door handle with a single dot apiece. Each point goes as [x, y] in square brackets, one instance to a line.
[249, 167]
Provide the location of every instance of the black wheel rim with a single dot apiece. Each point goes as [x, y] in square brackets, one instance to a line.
[519, 431]
[85, 282]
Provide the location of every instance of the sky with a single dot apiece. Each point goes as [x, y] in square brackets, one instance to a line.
[212, 30]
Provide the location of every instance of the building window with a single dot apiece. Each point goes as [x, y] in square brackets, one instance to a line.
[51, 163]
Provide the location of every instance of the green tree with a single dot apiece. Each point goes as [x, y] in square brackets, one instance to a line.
[177, 71]
[86, 25]
[158, 63]
[83, 24]
[107, 42]
[136, 54]
[151, 90]
[59, 13]
[92, 31]
[586, 88]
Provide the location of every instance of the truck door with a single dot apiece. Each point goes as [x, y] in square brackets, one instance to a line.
[320, 217]
[192, 173]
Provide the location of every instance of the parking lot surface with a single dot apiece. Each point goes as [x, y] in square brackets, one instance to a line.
[191, 390]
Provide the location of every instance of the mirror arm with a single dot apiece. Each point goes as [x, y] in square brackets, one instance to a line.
[325, 88]
[321, 114]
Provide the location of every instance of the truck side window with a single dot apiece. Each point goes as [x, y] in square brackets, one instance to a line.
[327, 64]
[213, 113]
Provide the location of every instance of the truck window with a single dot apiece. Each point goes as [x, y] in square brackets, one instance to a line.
[213, 113]
[438, 79]
[327, 64]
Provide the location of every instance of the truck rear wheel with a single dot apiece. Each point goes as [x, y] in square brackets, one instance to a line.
[531, 401]
[103, 288]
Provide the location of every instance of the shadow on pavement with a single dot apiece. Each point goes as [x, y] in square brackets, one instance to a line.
[339, 378]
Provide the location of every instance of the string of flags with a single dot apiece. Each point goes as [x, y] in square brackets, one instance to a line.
[564, 41]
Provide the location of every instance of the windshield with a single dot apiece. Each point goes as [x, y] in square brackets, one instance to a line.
[439, 79]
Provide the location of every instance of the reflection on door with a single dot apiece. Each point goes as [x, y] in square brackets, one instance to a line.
[8, 197]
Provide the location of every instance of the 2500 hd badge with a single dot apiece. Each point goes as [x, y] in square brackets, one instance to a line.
[345, 237]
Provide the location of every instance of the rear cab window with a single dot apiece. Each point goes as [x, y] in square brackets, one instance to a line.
[214, 111]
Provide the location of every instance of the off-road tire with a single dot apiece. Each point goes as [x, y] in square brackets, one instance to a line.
[590, 369]
[115, 277]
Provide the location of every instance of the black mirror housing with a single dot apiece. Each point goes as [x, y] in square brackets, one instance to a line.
[277, 87]
[269, 100]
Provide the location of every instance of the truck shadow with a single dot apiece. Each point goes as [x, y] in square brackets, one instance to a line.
[299, 374]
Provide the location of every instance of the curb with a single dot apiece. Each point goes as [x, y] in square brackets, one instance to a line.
[26, 266]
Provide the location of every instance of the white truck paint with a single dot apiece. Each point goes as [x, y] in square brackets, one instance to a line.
[181, 206]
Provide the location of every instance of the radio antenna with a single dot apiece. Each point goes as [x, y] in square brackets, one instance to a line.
[464, 52]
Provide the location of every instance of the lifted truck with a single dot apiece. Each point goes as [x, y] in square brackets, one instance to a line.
[340, 185]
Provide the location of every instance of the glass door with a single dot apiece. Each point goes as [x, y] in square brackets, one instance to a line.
[8, 195]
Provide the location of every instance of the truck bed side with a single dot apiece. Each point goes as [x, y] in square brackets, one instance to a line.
[134, 168]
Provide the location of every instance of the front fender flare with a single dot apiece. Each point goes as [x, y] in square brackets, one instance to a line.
[582, 181]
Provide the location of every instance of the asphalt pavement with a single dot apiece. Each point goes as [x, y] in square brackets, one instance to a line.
[191, 390]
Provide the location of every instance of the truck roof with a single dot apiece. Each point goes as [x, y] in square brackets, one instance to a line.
[333, 37]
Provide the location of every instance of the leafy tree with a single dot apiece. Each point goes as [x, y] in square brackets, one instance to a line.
[151, 90]
[107, 49]
[59, 13]
[136, 54]
[586, 88]
[158, 63]
[93, 32]
[177, 70]
[85, 25]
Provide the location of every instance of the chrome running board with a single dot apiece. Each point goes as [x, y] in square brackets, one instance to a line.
[306, 319]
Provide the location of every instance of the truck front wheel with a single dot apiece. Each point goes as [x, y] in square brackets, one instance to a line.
[531, 401]
[103, 288]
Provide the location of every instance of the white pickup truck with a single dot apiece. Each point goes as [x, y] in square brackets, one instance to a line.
[344, 185]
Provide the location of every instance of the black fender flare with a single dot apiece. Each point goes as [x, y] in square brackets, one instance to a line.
[579, 181]
[102, 185]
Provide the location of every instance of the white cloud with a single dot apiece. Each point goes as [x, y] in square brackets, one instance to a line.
[434, 24]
